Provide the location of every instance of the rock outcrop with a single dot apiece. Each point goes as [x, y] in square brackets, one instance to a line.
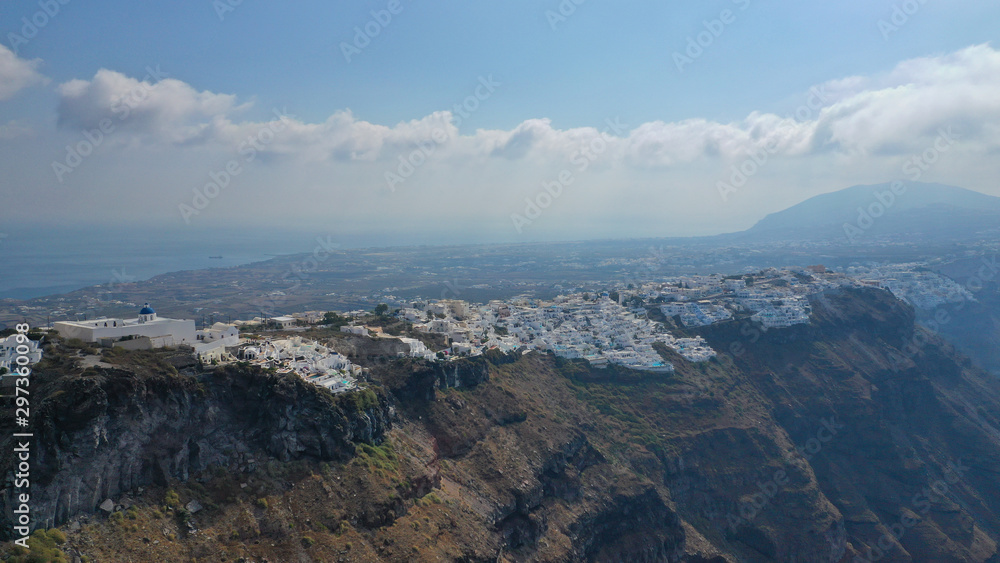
[105, 434]
[856, 437]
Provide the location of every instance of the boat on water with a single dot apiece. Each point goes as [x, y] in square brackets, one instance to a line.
[215, 257]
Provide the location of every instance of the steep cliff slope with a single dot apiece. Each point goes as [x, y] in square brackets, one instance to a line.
[856, 437]
[108, 431]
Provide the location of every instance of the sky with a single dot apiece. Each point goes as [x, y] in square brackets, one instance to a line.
[480, 121]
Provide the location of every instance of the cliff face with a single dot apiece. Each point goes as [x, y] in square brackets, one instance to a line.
[858, 437]
[111, 432]
[886, 440]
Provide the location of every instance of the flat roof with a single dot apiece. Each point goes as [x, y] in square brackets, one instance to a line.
[121, 322]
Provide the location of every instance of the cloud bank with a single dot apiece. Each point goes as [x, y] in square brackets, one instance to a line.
[170, 139]
[894, 113]
[16, 74]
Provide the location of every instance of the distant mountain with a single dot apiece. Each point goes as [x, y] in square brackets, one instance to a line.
[895, 210]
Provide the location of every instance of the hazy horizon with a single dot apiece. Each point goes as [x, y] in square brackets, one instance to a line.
[531, 280]
[694, 122]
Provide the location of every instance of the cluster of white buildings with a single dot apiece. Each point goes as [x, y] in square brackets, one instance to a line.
[309, 360]
[9, 352]
[414, 347]
[699, 313]
[574, 327]
[211, 343]
[600, 330]
[775, 298]
[417, 349]
[919, 287]
[148, 330]
[220, 342]
[775, 307]
[469, 328]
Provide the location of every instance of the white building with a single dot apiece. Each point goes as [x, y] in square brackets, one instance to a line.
[160, 331]
[283, 322]
[8, 352]
[211, 342]
[417, 349]
[782, 316]
[311, 317]
[412, 315]
[312, 361]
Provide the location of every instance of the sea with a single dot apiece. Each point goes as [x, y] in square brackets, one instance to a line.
[40, 262]
[37, 262]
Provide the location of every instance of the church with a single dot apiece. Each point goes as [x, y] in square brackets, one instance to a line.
[159, 331]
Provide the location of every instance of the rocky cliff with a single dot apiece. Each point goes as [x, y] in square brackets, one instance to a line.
[110, 431]
[857, 437]
[870, 438]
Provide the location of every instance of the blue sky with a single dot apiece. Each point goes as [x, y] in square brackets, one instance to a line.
[555, 91]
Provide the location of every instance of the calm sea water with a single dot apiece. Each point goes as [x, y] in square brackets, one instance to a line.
[35, 263]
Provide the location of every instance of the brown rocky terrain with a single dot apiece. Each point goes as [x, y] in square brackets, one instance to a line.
[858, 437]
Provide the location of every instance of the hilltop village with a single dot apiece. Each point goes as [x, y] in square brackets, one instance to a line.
[622, 325]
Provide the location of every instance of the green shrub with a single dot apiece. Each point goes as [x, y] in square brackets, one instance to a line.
[75, 344]
[382, 457]
[41, 548]
[172, 499]
[362, 399]
[56, 535]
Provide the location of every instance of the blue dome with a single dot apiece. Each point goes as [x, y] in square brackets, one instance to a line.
[147, 310]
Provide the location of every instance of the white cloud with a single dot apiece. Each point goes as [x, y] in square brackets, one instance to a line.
[16, 74]
[859, 129]
[166, 109]
[341, 137]
[14, 129]
[893, 113]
